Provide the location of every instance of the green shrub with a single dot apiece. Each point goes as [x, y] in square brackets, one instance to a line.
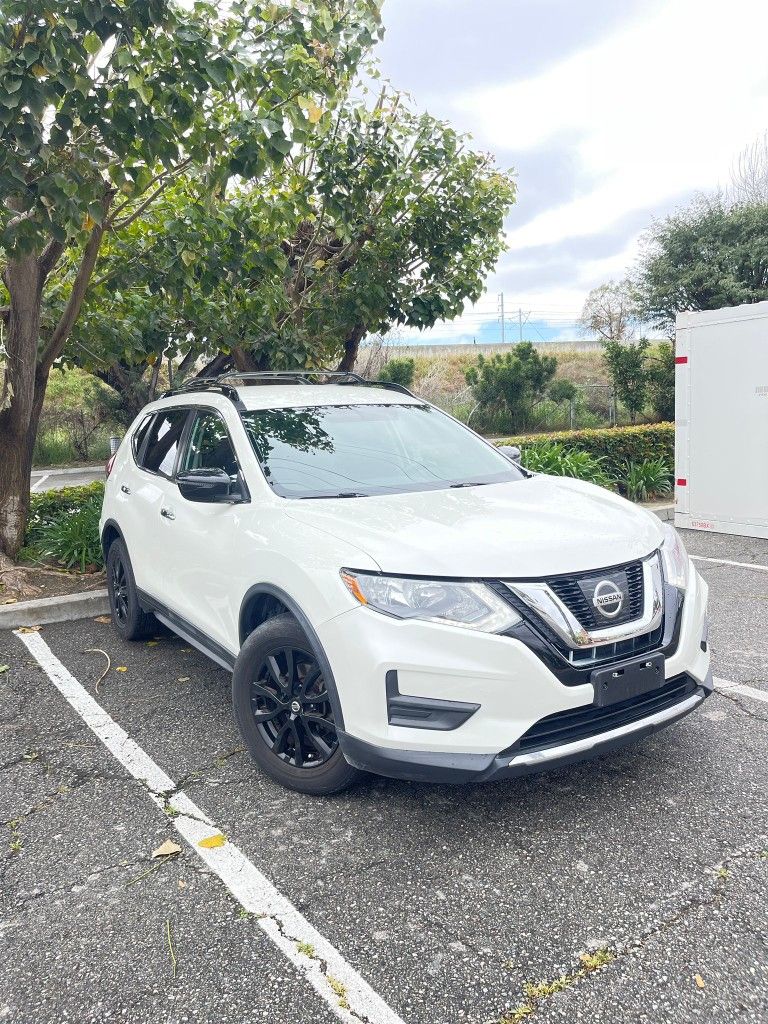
[63, 526]
[649, 479]
[53, 448]
[557, 460]
[398, 371]
[617, 445]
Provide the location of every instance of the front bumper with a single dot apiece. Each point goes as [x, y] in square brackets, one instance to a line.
[508, 688]
[457, 768]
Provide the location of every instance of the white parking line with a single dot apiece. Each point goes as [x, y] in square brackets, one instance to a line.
[40, 481]
[746, 691]
[348, 995]
[727, 561]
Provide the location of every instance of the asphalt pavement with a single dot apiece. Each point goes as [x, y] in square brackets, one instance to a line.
[477, 904]
[68, 476]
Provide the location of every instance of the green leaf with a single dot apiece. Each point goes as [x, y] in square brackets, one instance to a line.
[92, 43]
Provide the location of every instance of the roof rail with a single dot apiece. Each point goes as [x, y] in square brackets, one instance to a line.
[272, 376]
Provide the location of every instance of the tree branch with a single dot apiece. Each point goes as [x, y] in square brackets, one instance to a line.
[61, 332]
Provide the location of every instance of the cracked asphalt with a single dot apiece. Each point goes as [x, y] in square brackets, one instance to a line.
[448, 901]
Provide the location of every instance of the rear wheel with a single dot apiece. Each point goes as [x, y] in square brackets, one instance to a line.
[283, 710]
[128, 617]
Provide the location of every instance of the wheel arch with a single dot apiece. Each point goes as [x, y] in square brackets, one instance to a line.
[109, 534]
[260, 597]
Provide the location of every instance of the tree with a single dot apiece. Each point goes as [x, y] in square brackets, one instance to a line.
[102, 105]
[609, 312]
[510, 384]
[626, 368]
[709, 255]
[382, 216]
[749, 174]
[660, 376]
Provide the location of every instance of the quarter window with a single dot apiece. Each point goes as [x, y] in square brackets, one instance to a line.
[163, 443]
[139, 434]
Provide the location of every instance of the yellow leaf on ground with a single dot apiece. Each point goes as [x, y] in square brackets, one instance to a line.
[699, 981]
[11, 600]
[211, 842]
[183, 679]
[168, 849]
[29, 629]
[105, 619]
[152, 643]
[120, 668]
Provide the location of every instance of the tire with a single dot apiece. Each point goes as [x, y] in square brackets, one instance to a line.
[289, 729]
[128, 617]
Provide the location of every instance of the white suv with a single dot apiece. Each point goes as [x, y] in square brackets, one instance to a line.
[390, 591]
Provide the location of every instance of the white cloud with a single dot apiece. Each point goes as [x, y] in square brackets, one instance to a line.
[654, 110]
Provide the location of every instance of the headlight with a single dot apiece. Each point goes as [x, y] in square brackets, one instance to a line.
[675, 558]
[472, 605]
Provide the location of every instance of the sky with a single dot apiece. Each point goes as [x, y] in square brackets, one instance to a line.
[610, 113]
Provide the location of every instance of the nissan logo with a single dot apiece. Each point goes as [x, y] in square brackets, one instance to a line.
[608, 599]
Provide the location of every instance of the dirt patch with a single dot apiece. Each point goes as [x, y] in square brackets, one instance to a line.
[39, 582]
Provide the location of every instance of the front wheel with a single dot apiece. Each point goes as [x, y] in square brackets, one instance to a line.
[283, 710]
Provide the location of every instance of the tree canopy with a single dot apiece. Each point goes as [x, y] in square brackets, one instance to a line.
[609, 312]
[710, 255]
[382, 217]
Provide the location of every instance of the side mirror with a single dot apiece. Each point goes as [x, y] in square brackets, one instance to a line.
[204, 485]
[510, 451]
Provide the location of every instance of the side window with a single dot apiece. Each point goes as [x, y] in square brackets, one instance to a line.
[209, 446]
[138, 436]
[163, 443]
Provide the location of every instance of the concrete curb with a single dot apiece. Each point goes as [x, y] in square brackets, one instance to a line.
[54, 609]
[664, 512]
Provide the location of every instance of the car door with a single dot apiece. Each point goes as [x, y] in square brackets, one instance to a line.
[205, 554]
[150, 493]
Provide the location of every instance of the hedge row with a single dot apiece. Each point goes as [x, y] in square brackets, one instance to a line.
[46, 506]
[617, 445]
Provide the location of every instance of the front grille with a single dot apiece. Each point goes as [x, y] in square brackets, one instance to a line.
[578, 723]
[586, 657]
[576, 593]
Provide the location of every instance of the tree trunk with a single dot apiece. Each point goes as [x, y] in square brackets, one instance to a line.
[18, 420]
[351, 348]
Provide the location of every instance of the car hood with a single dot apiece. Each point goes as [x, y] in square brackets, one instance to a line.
[533, 527]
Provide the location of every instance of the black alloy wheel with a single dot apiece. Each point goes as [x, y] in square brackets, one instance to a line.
[292, 709]
[285, 712]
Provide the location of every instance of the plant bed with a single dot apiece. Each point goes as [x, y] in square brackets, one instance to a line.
[37, 582]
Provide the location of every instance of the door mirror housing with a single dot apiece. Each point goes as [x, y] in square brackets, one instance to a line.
[511, 452]
[209, 485]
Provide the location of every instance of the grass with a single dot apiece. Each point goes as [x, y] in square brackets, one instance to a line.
[536, 992]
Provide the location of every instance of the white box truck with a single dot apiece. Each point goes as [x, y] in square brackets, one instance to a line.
[721, 420]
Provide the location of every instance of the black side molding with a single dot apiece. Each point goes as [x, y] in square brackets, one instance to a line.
[185, 629]
[424, 712]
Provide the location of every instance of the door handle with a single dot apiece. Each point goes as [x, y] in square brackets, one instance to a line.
[124, 489]
[167, 513]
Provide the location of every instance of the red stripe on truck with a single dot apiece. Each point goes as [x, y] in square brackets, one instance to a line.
[682, 482]
[681, 359]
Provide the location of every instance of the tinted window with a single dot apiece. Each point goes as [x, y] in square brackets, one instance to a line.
[209, 446]
[164, 437]
[139, 434]
[352, 450]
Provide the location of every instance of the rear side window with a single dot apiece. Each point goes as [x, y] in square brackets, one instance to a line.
[139, 434]
[163, 443]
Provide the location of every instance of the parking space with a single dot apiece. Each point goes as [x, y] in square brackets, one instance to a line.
[448, 902]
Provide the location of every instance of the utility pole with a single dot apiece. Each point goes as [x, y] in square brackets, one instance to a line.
[501, 312]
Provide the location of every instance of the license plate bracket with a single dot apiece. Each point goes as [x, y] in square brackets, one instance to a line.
[628, 679]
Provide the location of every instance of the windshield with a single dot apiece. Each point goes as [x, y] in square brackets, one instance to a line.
[358, 450]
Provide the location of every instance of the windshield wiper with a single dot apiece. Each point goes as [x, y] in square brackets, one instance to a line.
[343, 494]
[471, 483]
